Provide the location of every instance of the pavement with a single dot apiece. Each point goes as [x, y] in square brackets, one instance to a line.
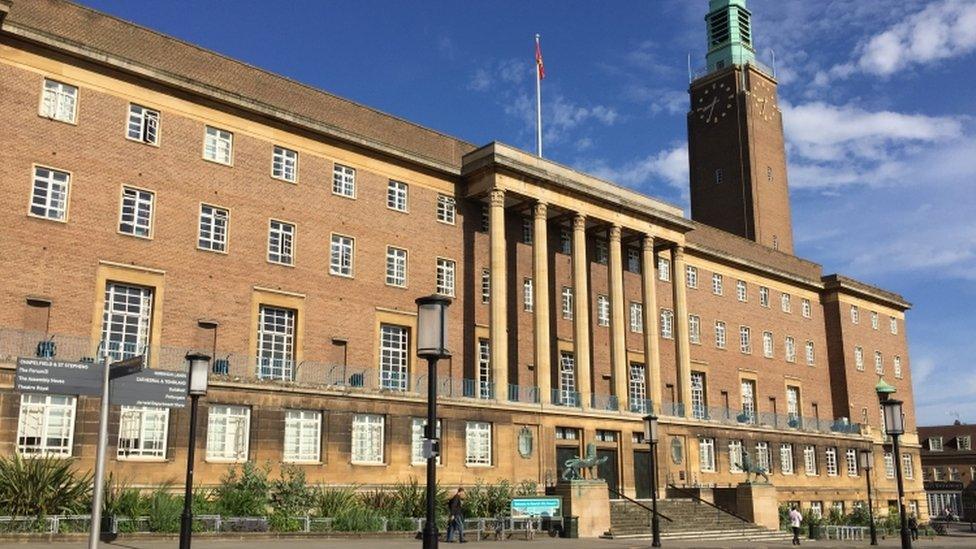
[403, 543]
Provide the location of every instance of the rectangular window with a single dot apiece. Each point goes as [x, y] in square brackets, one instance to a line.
[126, 320]
[485, 286]
[694, 329]
[367, 439]
[276, 342]
[59, 101]
[567, 433]
[638, 388]
[603, 435]
[768, 344]
[851, 458]
[691, 276]
[218, 145]
[810, 460]
[809, 352]
[706, 454]
[600, 252]
[786, 303]
[793, 405]
[303, 436]
[445, 276]
[763, 458]
[790, 349]
[342, 253]
[667, 324]
[213, 228]
[417, 435]
[567, 379]
[284, 164]
[889, 463]
[964, 443]
[855, 314]
[786, 458]
[485, 219]
[698, 403]
[602, 310]
[874, 320]
[394, 357]
[136, 216]
[831, 461]
[344, 181]
[907, 468]
[565, 241]
[719, 176]
[749, 400]
[664, 269]
[396, 266]
[720, 336]
[477, 442]
[741, 291]
[735, 456]
[446, 209]
[528, 295]
[636, 318]
[633, 260]
[143, 124]
[718, 284]
[764, 296]
[281, 243]
[528, 231]
[142, 432]
[745, 341]
[897, 365]
[49, 194]
[484, 369]
[893, 325]
[567, 303]
[806, 308]
[228, 432]
[396, 196]
[816, 509]
[859, 358]
[45, 425]
[878, 363]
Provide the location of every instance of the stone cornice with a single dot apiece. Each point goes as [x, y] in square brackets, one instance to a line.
[842, 284]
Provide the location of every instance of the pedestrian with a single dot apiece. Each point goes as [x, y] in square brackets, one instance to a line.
[456, 521]
[913, 526]
[795, 519]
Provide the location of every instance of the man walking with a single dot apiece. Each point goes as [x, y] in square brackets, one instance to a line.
[795, 519]
[456, 522]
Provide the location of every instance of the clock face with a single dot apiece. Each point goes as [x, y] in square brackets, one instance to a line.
[715, 103]
[764, 97]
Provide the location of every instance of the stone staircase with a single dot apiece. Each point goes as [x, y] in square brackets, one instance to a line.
[691, 520]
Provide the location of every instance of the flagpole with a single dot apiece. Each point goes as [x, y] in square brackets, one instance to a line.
[538, 103]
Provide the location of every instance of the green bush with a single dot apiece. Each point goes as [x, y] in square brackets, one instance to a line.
[290, 497]
[164, 510]
[243, 494]
[331, 502]
[358, 520]
[42, 486]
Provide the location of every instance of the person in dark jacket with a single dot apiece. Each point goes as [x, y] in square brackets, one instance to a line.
[913, 527]
[456, 521]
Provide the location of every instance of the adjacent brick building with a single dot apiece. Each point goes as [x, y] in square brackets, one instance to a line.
[949, 469]
[165, 198]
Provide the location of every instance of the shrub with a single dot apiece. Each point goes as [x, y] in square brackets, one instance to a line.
[244, 494]
[164, 510]
[331, 502]
[358, 520]
[42, 486]
[290, 497]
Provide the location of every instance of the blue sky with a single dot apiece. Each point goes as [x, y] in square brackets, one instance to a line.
[878, 100]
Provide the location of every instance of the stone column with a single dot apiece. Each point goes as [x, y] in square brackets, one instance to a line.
[540, 289]
[498, 319]
[581, 311]
[681, 342]
[618, 333]
[652, 353]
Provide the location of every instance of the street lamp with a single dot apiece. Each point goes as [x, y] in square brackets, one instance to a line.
[431, 345]
[650, 433]
[894, 423]
[867, 463]
[198, 375]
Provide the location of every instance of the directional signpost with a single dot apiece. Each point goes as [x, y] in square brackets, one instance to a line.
[157, 388]
[49, 376]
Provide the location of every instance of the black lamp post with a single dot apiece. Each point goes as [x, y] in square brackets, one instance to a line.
[431, 345]
[650, 433]
[867, 463]
[894, 423]
[199, 373]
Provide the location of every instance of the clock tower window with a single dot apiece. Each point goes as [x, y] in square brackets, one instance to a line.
[769, 173]
[719, 176]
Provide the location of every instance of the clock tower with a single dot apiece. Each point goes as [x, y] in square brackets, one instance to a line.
[736, 150]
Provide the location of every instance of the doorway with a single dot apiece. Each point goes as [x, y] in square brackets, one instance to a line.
[608, 469]
[642, 475]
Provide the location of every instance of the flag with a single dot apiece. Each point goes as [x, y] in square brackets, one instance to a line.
[538, 58]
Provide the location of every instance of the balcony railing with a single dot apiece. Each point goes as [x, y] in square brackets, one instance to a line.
[562, 397]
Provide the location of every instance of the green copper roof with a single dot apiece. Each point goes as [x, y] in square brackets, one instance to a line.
[729, 26]
[883, 387]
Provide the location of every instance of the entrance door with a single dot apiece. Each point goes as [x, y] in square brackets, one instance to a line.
[642, 474]
[608, 469]
[564, 453]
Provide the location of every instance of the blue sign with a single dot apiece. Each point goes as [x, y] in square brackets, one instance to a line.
[537, 506]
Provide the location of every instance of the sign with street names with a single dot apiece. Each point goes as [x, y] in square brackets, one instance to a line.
[156, 388]
[58, 377]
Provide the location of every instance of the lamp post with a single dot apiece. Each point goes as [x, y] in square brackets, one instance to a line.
[894, 423]
[867, 463]
[650, 433]
[431, 345]
[199, 373]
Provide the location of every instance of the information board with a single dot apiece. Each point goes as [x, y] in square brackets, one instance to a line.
[537, 506]
[57, 377]
[157, 388]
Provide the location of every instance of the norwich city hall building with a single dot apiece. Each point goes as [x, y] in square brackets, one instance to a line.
[165, 198]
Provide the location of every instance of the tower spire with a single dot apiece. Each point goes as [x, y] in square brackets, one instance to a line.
[729, 26]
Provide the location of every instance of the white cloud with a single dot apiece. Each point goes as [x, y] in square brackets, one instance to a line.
[508, 73]
[560, 116]
[659, 100]
[669, 166]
